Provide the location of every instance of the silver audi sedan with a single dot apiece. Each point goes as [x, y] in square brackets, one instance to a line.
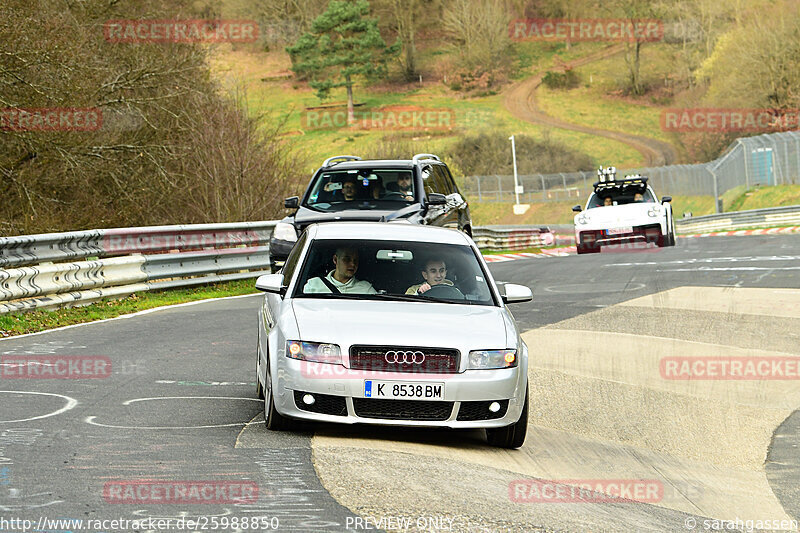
[391, 324]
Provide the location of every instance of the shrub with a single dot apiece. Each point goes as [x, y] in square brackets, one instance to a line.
[568, 79]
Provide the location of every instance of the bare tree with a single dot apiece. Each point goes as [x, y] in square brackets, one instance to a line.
[479, 31]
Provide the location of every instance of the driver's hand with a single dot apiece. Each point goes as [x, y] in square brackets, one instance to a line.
[423, 288]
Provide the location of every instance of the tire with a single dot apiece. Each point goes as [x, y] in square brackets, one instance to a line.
[671, 241]
[512, 436]
[272, 418]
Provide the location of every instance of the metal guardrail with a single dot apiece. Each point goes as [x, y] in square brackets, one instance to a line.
[122, 261]
[754, 218]
[33, 249]
[495, 238]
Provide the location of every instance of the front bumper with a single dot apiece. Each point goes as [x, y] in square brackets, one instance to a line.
[279, 251]
[339, 397]
[600, 237]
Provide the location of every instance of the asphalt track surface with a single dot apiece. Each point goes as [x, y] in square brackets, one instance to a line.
[180, 405]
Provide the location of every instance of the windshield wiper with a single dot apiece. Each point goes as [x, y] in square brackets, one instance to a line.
[333, 296]
[417, 298]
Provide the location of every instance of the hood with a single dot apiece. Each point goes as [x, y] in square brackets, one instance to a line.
[305, 216]
[348, 322]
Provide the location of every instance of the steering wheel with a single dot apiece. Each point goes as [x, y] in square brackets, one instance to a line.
[394, 194]
[446, 292]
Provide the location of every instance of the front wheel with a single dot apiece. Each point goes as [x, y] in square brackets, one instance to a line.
[272, 418]
[512, 436]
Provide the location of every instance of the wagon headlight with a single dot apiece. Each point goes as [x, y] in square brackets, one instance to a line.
[654, 211]
[492, 359]
[314, 351]
[284, 232]
[583, 218]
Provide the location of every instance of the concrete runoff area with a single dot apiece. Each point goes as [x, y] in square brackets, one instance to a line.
[602, 410]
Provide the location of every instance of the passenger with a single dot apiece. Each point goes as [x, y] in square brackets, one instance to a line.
[376, 188]
[349, 189]
[435, 273]
[342, 279]
[607, 201]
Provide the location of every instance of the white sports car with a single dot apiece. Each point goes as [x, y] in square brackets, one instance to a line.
[623, 211]
[392, 324]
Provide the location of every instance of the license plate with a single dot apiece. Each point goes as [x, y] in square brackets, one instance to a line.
[409, 390]
[619, 231]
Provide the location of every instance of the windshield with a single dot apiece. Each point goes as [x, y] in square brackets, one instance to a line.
[620, 196]
[392, 270]
[362, 189]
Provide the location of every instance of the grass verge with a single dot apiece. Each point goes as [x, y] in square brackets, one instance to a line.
[31, 322]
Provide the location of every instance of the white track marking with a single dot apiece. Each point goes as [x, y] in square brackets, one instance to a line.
[71, 403]
[91, 419]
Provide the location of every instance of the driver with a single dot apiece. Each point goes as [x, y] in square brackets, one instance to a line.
[435, 273]
[404, 185]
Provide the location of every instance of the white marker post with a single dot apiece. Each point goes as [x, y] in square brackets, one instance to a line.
[519, 209]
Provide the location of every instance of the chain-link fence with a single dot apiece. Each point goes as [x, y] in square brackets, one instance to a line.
[772, 159]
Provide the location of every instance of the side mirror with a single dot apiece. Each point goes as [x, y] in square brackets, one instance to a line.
[516, 294]
[292, 203]
[577, 208]
[436, 199]
[270, 283]
[665, 199]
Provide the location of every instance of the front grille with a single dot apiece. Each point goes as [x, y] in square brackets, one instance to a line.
[436, 360]
[324, 404]
[402, 409]
[480, 410]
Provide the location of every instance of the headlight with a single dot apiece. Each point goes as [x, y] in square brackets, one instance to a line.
[654, 211]
[284, 232]
[314, 351]
[583, 218]
[488, 359]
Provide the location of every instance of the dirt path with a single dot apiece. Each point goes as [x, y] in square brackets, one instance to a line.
[520, 100]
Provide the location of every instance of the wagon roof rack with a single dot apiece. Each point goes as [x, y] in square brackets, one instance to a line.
[338, 159]
[419, 157]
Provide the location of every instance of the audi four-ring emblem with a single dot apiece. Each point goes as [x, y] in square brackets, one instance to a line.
[406, 357]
